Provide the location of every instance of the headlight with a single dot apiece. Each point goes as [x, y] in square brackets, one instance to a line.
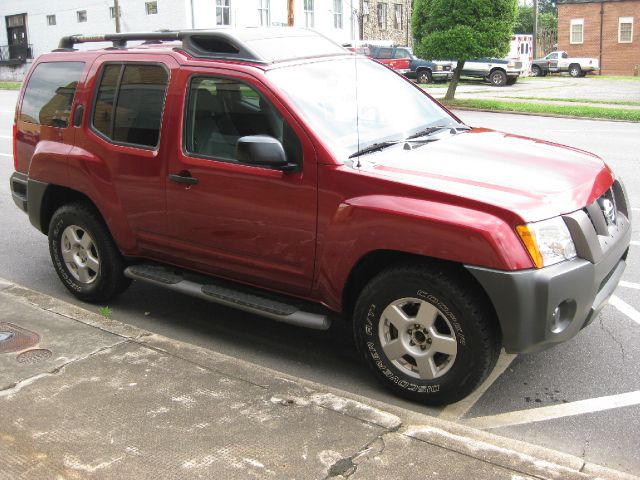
[548, 242]
[438, 68]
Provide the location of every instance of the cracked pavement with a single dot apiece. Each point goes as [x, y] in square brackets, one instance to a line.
[113, 401]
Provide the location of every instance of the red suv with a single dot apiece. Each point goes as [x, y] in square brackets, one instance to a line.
[272, 171]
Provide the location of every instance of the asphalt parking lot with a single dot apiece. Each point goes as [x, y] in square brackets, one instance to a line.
[582, 397]
[552, 86]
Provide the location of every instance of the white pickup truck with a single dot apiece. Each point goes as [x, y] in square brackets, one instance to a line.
[560, 61]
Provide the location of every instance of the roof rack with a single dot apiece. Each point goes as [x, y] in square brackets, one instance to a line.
[250, 44]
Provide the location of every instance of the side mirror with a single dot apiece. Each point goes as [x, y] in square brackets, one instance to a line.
[262, 150]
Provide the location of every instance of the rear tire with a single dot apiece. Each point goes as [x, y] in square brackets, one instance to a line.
[84, 255]
[574, 70]
[536, 71]
[498, 78]
[426, 333]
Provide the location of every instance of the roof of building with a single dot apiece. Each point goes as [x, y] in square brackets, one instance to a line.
[257, 45]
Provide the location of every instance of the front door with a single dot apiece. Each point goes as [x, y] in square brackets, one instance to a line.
[17, 37]
[245, 222]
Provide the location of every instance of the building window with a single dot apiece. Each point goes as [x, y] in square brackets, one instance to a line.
[577, 30]
[308, 13]
[51, 19]
[397, 19]
[151, 8]
[263, 13]
[337, 14]
[625, 30]
[112, 12]
[223, 12]
[82, 16]
[365, 8]
[382, 16]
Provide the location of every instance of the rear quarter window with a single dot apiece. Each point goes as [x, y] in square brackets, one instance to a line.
[49, 94]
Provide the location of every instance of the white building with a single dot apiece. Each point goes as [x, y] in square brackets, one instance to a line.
[33, 27]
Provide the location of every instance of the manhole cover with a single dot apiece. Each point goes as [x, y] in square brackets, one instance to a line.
[13, 338]
[34, 356]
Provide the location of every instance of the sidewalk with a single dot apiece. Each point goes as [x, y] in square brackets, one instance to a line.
[82, 396]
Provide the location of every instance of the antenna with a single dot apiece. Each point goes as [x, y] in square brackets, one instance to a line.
[355, 66]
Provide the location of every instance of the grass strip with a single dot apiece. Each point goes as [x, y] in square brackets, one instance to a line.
[10, 85]
[580, 100]
[542, 109]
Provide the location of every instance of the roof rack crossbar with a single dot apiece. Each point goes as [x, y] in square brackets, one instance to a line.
[198, 43]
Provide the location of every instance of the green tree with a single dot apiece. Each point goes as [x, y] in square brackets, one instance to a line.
[524, 21]
[462, 29]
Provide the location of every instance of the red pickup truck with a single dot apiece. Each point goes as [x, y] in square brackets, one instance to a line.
[274, 172]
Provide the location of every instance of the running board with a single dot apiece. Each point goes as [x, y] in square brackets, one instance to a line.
[241, 298]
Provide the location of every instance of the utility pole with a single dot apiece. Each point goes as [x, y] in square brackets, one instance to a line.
[290, 12]
[535, 29]
[116, 7]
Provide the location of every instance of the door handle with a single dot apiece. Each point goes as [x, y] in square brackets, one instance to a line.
[183, 177]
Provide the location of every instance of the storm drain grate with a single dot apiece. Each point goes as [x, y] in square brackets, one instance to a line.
[13, 338]
[34, 356]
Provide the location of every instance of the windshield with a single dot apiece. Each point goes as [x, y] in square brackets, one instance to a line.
[384, 108]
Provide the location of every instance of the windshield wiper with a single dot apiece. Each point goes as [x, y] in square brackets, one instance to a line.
[375, 147]
[431, 130]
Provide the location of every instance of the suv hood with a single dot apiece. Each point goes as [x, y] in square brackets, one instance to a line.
[532, 178]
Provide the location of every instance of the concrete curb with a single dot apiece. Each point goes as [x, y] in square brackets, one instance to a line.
[522, 457]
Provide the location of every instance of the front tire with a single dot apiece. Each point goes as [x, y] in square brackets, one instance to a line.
[84, 255]
[424, 76]
[426, 333]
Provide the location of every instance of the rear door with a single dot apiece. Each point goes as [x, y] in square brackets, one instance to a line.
[118, 160]
[244, 222]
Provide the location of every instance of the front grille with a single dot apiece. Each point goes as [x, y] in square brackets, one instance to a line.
[597, 227]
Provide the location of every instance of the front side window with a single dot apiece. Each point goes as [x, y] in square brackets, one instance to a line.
[223, 12]
[397, 20]
[625, 30]
[337, 13]
[402, 53]
[325, 93]
[577, 30]
[382, 16]
[49, 93]
[221, 110]
[264, 13]
[81, 16]
[308, 13]
[385, 53]
[129, 103]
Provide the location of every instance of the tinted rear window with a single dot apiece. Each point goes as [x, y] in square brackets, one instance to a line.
[49, 94]
[129, 103]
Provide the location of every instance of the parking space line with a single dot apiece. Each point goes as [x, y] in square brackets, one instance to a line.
[457, 410]
[625, 308]
[6, 155]
[630, 285]
[541, 414]
[5, 136]
[634, 242]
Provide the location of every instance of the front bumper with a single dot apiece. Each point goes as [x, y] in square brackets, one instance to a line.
[539, 308]
[442, 76]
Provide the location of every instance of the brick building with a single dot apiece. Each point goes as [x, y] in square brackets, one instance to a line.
[608, 30]
[388, 20]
